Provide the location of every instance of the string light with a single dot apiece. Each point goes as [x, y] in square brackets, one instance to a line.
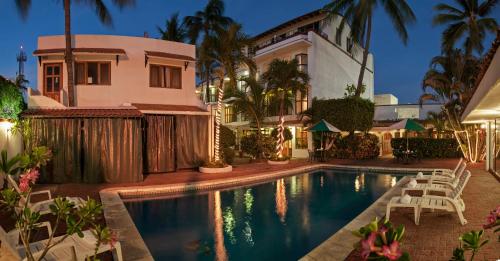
[218, 117]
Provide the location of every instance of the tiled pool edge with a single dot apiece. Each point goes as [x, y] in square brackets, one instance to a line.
[341, 244]
[134, 248]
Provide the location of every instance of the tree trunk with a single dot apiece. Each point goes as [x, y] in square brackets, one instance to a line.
[68, 56]
[218, 121]
[366, 51]
[281, 128]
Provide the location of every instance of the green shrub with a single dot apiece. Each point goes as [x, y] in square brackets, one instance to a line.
[251, 146]
[358, 146]
[348, 114]
[227, 137]
[11, 100]
[287, 133]
[228, 155]
[429, 148]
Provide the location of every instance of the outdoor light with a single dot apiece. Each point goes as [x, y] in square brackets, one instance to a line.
[6, 125]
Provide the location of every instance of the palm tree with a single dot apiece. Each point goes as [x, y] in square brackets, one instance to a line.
[205, 23]
[250, 102]
[102, 12]
[470, 21]
[228, 53]
[284, 80]
[175, 30]
[359, 14]
[451, 81]
[438, 121]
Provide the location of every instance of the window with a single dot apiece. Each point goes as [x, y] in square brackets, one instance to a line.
[302, 60]
[350, 44]
[93, 73]
[338, 37]
[300, 138]
[162, 76]
[229, 115]
[300, 102]
[52, 78]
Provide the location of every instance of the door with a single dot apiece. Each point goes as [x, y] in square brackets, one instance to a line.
[52, 80]
[386, 144]
[159, 144]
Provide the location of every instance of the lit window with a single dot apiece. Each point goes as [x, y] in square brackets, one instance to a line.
[229, 115]
[162, 76]
[300, 102]
[300, 138]
[93, 73]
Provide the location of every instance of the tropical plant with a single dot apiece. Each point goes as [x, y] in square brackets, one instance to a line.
[249, 101]
[228, 52]
[284, 80]
[359, 15]
[205, 23]
[381, 242]
[438, 120]
[258, 146]
[469, 21]
[451, 80]
[11, 100]
[65, 212]
[175, 30]
[103, 14]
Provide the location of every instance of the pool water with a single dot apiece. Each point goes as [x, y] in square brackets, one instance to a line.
[280, 220]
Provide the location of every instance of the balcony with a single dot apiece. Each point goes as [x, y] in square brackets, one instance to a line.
[297, 40]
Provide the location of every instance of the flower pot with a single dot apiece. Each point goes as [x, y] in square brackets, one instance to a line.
[278, 162]
[226, 169]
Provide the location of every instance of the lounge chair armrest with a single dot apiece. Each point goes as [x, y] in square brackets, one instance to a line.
[56, 247]
[42, 192]
[443, 172]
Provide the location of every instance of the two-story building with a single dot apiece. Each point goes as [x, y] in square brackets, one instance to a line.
[135, 108]
[329, 56]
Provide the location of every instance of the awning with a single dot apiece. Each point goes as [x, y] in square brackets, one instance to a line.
[323, 126]
[170, 109]
[61, 51]
[83, 113]
[172, 56]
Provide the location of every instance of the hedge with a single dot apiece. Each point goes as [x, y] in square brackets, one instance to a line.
[429, 147]
[11, 100]
[348, 114]
[227, 137]
[357, 146]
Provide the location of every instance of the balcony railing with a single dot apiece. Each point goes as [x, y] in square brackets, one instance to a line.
[283, 38]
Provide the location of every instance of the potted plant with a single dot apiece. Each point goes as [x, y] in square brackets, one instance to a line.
[214, 166]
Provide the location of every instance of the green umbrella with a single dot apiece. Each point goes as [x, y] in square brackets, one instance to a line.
[407, 124]
[323, 126]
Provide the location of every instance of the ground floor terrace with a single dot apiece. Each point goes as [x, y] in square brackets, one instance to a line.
[434, 239]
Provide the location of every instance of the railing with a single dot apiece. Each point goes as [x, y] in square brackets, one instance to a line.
[283, 38]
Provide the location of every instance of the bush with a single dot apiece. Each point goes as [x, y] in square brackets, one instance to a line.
[227, 137]
[348, 114]
[429, 148]
[228, 155]
[11, 100]
[364, 146]
[251, 146]
[287, 133]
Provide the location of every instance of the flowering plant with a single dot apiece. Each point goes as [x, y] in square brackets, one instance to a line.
[493, 221]
[381, 242]
[76, 218]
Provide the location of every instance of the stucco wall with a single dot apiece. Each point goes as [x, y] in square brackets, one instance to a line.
[331, 70]
[130, 77]
[390, 112]
[9, 141]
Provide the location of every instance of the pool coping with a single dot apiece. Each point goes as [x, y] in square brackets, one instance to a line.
[337, 247]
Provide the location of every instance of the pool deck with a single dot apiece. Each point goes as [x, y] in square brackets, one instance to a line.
[434, 239]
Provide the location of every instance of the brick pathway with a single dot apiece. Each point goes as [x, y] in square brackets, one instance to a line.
[434, 239]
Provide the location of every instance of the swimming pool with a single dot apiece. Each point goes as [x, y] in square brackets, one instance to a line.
[283, 219]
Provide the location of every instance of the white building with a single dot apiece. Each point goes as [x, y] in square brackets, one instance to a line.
[330, 58]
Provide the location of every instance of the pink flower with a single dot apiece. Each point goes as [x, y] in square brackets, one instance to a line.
[24, 184]
[392, 252]
[113, 239]
[491, 219]
[368, 245]
[30, 177]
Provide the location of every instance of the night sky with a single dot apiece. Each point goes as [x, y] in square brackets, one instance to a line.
[398, 68]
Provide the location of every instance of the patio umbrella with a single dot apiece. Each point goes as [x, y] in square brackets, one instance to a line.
[408, 125]
[323, 126]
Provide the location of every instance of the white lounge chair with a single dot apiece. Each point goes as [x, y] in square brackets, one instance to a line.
[451, 202]
[436, 185]
[42, 206]
[444, 174]
[71, 249]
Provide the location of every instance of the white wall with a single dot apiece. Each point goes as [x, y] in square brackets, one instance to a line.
[332, 69]
[385, 99]
[10, 142]
[394, 112]
[130, 77]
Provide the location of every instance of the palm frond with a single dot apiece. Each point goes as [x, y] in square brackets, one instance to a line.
[23, 7]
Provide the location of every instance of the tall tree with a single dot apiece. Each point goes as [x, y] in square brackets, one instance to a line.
[202, 24]
[175, 30]
[284, 80]
[228, 52]
[102, 13]
[451, 81]
[469, 21]
[250, 102]
[359, 15]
